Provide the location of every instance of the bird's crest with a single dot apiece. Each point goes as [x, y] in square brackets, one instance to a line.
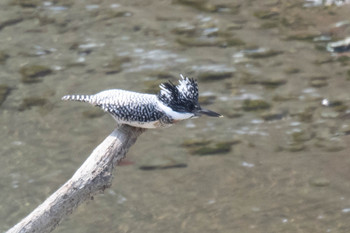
[183, 94]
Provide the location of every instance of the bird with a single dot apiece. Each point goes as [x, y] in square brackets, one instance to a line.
[173, 103]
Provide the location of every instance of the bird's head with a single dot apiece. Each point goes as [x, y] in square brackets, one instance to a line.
[183, 98]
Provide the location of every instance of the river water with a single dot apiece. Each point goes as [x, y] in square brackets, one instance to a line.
[277, 162]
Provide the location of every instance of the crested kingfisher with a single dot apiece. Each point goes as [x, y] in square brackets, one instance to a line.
[173, 103]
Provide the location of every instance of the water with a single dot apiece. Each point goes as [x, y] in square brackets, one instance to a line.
[288, 166]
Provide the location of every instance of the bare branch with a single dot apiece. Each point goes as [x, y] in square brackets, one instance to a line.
[95, 175]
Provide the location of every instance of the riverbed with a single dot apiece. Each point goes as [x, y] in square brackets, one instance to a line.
[277, 161]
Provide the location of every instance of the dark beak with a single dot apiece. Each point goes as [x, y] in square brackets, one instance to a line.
[207, 112]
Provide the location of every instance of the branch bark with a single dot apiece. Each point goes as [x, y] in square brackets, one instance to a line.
[95, 175]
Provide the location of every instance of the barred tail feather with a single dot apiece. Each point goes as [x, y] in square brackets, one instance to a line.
[80, 98]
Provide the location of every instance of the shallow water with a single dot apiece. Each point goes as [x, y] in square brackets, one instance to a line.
[277, 162]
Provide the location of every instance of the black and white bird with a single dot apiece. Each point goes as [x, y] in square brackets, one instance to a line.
[172, 104]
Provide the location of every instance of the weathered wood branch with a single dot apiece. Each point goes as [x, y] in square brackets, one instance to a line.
[95, 175]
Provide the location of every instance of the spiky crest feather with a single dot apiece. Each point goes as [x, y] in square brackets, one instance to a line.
[182, 97]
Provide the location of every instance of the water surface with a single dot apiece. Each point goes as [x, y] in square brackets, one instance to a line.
[278, 161]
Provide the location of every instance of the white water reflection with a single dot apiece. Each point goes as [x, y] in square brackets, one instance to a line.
[314, 3]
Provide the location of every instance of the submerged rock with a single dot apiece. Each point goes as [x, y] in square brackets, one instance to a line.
[294, 147]
[115, 65]
[3, 57]
[217, 148]
[162, 166]
[113, 13]
[160, 162]
[28, 3]
[302, 136]
[230, 7]
[213, 72]
[265, 14]
[318, 81]
[329, 114]
[208, 147]
[304, 36]
[306, 115]
[203, 5]
[291, 70]
[248, 78]
[269, 24]
[255, 105]
[344, 59]
[273, 115]
[214, 75]
[284, 97]
[208, 6]
[345, 130]
[185, 29]
[273, 82]
[336, 105]
[4, 92]
[330, 145]
[319, 182]
[10, 22]
[232, 41]
[33, 101]
[206, 35]
[234, 26]
[31, 73]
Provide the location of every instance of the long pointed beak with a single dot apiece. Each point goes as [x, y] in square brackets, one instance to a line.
[208, 112]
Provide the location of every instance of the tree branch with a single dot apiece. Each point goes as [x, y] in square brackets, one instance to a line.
[95, 175]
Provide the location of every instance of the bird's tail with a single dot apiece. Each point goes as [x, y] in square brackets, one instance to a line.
[80, 98]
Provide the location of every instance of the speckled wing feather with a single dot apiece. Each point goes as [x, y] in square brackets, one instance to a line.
[126, 107]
